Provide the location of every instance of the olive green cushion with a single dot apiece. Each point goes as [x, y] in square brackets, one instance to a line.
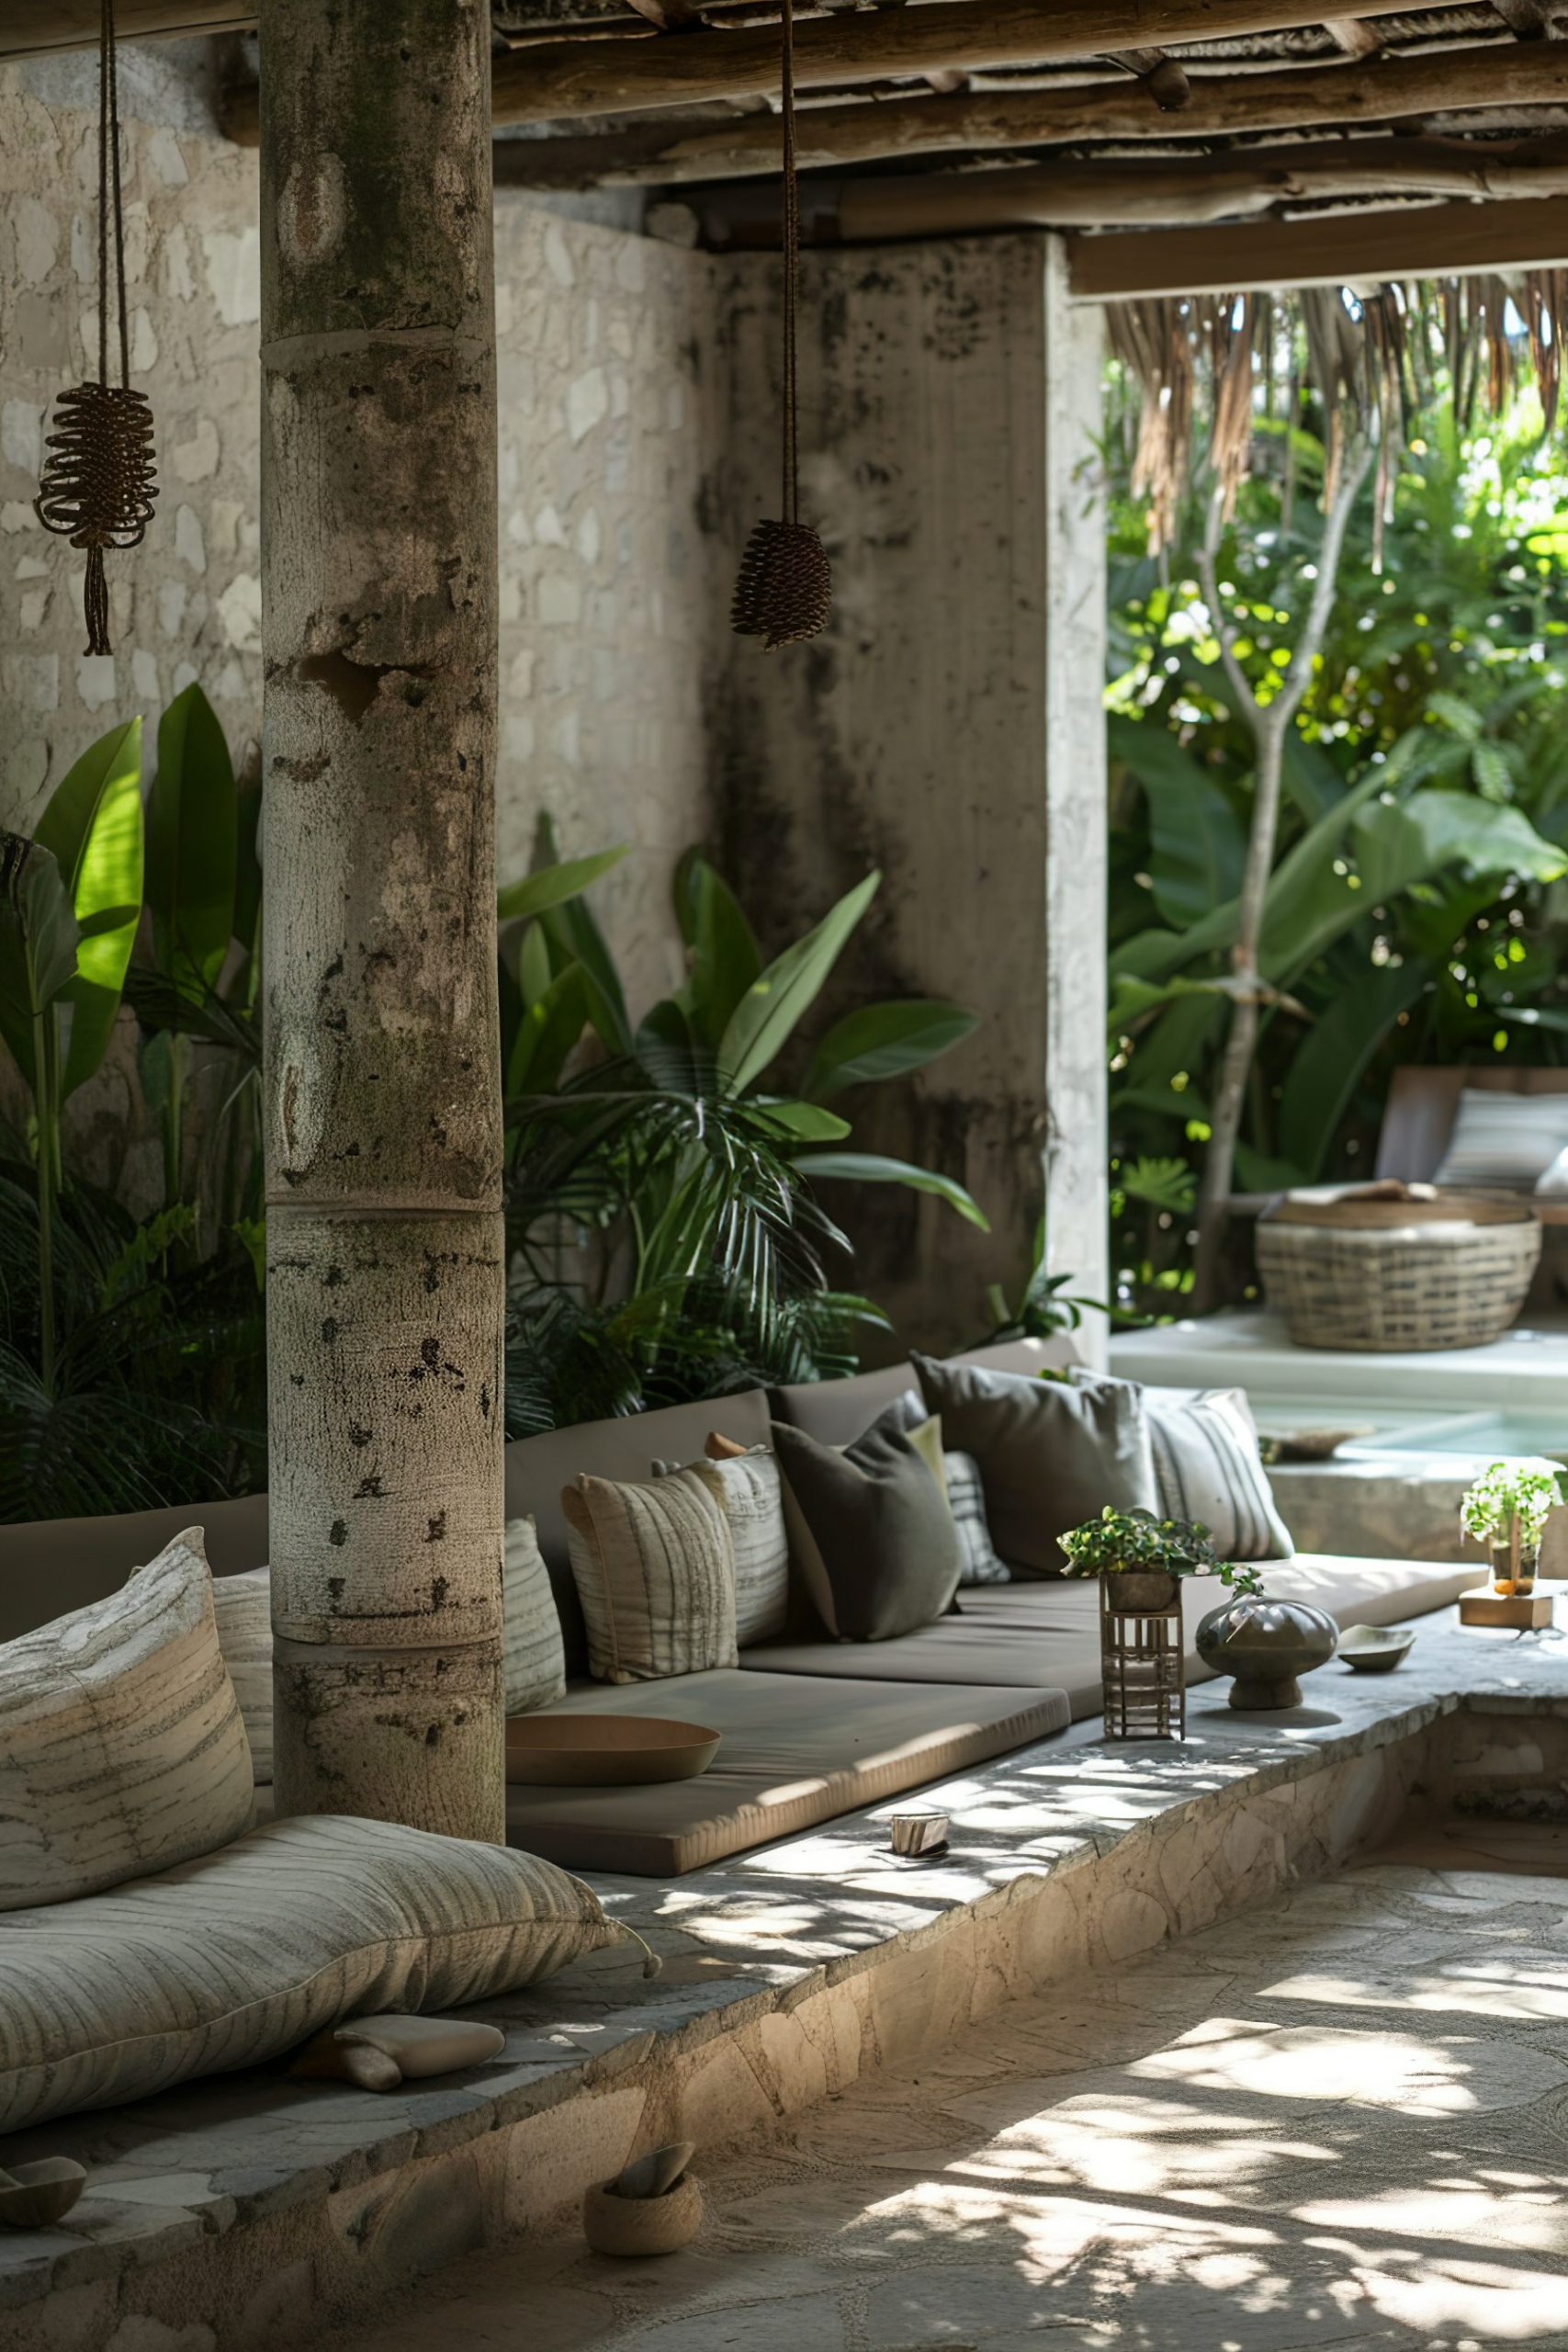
[870, 1527]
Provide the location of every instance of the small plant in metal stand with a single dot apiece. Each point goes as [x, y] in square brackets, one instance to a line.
[1140, 1560]
[1506, 1510]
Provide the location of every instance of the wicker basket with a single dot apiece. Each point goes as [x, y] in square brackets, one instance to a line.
[1376, 1274]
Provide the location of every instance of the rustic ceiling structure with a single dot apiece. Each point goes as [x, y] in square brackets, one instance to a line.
[1182, 143]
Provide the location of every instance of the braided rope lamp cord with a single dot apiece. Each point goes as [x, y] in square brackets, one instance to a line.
[98, 482]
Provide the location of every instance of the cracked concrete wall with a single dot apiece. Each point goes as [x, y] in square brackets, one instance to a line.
[613, 583]
[947, 406]
[188, 603]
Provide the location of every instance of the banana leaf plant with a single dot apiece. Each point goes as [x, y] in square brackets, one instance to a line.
[661, 1173]
[70, 900]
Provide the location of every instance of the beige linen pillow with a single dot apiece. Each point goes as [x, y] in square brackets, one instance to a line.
[655, 1571]
[122, 1747]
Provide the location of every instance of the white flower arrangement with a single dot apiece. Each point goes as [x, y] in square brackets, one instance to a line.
[1525, 1490]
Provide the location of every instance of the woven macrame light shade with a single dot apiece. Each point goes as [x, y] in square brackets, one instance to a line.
[98, 481]
[784, 593]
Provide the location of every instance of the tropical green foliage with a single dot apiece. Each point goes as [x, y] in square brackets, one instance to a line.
[1415, 907]
[132, 1366]
[664, 1237]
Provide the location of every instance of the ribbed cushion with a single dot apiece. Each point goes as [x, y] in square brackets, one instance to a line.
[655, 1573]
[122, 1749]
[1208, 1468]
[235, 1958]
[243, 1606]
[532, 1660]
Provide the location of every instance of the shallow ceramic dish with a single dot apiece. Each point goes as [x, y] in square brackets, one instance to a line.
[606, 1751]
[1375, 1650]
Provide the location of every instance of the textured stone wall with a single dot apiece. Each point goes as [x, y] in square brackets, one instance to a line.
[917, 734]
[612, 582]
[188, 603]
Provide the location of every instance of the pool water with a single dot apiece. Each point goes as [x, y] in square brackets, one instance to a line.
[1469, 1434]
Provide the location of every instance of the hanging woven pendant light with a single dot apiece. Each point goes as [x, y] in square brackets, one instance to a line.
[784, 590]
[98, 483]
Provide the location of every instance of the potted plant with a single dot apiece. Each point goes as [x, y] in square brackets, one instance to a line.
[1144, 1555]
[1507, 1509]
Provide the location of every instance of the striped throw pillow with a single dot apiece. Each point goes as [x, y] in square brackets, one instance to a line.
[1207, 1467]
[654, 1572]
[533, 1655]
[754, 1504]
[243, 1607]
[967, 1500]
[122, 1747]
[1503, 1139]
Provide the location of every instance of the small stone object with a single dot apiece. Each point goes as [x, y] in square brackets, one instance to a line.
[35, 2195]
[1267, 1646]
[918, 1832]
[377, 2054]
[653, 2207]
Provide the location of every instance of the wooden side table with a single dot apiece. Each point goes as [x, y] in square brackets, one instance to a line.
[1141, 1668]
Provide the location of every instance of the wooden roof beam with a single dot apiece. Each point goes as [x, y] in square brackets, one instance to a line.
[36, 27]
[559, 79]
[1078, 194]
[1387, 88]
[1433, 241]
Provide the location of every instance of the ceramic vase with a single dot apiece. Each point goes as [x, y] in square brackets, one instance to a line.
[1267, 1646]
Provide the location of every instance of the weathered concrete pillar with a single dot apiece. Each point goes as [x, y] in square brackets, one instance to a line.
[948, 729]
[384, 1261]
[1075, 1140]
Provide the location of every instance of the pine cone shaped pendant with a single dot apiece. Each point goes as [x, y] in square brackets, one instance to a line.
[784, 589]
[98, 484]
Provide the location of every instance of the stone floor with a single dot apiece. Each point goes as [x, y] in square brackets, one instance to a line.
[1340, 2121]
[246, 2212]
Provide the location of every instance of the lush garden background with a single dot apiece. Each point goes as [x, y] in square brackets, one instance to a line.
[1415, 912]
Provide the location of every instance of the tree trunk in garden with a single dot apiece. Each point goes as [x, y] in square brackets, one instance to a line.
[385, 1295]
[1269, 723]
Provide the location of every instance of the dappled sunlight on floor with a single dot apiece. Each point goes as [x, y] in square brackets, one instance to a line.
[1340, 2121]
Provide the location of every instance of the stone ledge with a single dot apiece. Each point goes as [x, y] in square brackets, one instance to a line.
[231, 2211]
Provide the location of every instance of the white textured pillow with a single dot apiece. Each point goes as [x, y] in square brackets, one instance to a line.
[122, 1747]
[754, 1504]
[1509, 1139]
[654, 1572]
[531, 1652]
[243, 1606]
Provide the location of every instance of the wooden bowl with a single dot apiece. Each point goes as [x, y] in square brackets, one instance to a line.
[606, 1751]
[1376, 1649]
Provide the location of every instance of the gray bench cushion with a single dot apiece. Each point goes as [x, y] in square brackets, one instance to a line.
[797, 1751]
[235, 1958]
[1012, 1634]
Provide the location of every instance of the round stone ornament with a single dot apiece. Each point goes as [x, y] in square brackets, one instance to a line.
[1267, 1646]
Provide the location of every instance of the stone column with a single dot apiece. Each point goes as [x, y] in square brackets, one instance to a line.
[947, 728]
[1076, 1138]
[385, 1295]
